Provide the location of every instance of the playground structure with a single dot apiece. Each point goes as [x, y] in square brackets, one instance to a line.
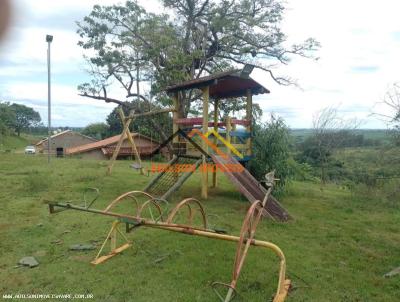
[201, 143]
[162, 219]
[221, 145]
[195, 146]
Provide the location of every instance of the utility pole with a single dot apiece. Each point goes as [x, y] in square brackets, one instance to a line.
[49, 39]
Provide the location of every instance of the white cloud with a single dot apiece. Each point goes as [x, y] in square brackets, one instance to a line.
[358, 59]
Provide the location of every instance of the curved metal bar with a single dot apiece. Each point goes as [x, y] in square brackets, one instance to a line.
[247, 233]
[121, 197]
[283, 283]
[222, 298]
[186, 202]
[87, 190]
[146, 204]
[165, 210]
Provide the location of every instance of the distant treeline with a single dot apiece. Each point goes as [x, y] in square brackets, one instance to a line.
[346, 138]
[42, 130]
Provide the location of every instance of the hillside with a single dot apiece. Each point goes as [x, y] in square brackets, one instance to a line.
[13, 143]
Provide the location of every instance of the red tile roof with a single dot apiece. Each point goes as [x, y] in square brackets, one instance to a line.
[101, 144]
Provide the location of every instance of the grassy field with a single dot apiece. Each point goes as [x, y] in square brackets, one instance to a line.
[13, 143]
[337, 247]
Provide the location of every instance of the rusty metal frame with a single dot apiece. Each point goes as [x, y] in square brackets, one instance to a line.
[193, 207]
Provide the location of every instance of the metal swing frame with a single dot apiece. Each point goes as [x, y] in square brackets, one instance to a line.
[245, 239]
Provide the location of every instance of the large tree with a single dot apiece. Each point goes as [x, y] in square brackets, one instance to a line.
[128, 45]
[143, 125]
[25, 117]
[96, 130]
[7, 117]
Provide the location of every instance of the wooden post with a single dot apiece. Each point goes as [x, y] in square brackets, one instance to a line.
[175, 116]
[249, 117]
[121, 140]
[130, 139]
[228, 132]
[204, 183]
[135, 151]
[216, 103]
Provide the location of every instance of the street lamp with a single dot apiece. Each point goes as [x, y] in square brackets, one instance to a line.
[49, 39]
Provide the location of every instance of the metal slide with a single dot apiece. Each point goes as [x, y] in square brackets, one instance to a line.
[250, 187]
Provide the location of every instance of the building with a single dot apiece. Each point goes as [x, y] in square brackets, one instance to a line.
[60, 142]
[104, 149]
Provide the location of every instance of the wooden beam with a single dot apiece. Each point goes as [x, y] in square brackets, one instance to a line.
[113, 253]
[135, 151]
[154, 112]
[249, 117]
[121, 140]
[175, 126]
[216, 103]
[228, 132]
[204, 183]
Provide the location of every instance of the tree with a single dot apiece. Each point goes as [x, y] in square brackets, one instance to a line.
[271, 150]
[96, 130]
[328, 129]
[142, 125]
[25, 117]
[7, 117]
[392, 102]
[129, 45]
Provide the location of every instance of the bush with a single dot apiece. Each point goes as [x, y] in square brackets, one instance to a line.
[271, 151]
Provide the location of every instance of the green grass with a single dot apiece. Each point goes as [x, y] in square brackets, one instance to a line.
[12, 143]
[337, 247]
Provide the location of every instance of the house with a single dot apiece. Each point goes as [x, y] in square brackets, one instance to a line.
[104, 149]
[62, 141]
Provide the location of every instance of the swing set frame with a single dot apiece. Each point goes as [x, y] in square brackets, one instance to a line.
[126, 133]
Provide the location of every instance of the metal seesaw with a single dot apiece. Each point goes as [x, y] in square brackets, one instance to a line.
[193, 206]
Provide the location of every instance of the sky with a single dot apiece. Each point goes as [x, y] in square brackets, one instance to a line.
[357, 62]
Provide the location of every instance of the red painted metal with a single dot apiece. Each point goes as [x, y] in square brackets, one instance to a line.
[199, 121]
[240, 122]
[196, 121]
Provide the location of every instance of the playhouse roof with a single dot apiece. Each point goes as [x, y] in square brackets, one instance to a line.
[223, 85]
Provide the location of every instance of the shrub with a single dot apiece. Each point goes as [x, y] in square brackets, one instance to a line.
[271, 151]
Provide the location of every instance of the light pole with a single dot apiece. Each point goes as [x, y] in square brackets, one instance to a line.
[49, 39]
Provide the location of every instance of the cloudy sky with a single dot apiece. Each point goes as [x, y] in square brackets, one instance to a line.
[358, 61]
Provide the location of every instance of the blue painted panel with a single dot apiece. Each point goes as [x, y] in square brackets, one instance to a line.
[240, 134]
[244, 159]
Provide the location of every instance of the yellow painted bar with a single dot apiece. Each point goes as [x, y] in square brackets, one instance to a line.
[224, 141]
[112, 254]
[216, 103]
[228, 131]
[283, 283]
